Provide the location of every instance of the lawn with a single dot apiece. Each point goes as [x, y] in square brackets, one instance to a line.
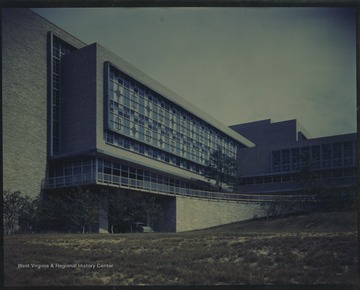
[231, 255]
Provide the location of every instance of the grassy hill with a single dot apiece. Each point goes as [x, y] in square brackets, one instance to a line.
[316, 248]
[344, 221]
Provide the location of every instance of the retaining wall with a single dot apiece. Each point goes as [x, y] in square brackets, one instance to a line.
[192, 214]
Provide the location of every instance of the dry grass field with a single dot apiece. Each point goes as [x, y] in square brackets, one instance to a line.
[320, 248]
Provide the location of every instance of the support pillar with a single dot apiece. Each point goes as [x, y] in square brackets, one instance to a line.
[103, 214]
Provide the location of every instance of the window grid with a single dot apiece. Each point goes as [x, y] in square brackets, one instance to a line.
[59, 49]
[321, 174]
[151, 152]
[149, 118]
[333, 155]
[80, 167]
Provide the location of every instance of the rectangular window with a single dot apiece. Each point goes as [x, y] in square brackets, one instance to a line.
[276, 161]
[268, 179]
[295, 158]
[249, 180]
[337, 155]
[305, 156]
[337, 173]
[349, 172]
[285, 160]
[124, 173]
[348, 149]
[315, 157]
[326, 155]
[286, 178]
[348, 154]
[126, 144]
[107, 167]
[337, 150]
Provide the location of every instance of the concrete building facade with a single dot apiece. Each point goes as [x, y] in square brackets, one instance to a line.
[284, 149]
[77, 114]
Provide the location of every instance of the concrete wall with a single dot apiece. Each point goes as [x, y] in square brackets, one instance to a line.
[103, 217]
[255, 160]
[193, 214]
[267, 136]
[78, 106]
[265, 133]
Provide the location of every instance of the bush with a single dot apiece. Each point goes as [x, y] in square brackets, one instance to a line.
[279, 206]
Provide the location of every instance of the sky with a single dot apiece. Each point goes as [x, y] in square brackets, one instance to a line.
[238, 65]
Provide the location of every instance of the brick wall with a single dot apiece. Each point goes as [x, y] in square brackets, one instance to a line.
[24, 98]
[24, 103]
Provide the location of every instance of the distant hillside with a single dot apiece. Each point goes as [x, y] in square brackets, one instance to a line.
[316, 221]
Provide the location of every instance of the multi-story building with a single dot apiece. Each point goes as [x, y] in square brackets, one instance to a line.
[76, 114]
[285, 149]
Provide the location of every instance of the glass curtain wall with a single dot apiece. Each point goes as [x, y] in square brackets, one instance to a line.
[143, 121]
[58, 49]
[331, 155]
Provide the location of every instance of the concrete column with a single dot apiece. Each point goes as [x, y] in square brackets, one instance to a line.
[103, 214]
